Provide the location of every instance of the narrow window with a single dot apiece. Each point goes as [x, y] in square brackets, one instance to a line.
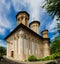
[22, 17]
[12, 53]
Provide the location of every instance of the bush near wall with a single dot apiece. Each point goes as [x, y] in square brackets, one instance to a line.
[32, 58]
[51, 57]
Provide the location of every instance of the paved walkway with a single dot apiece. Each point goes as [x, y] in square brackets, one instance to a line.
[9, 62]
[6, 61]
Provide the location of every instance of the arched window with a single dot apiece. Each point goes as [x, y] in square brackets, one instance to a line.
[22, 17]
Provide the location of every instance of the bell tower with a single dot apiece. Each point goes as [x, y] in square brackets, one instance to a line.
[45, 34]
[22, 17]
[46, 42]
[34, 25]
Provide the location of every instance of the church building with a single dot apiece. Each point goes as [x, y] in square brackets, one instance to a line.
[25, 40]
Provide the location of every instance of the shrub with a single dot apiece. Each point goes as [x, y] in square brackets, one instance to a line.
[25, 60]
[51, 57]
[32, 58]
[1, 57]
[57, 55]
[2, 52]
[46, 58]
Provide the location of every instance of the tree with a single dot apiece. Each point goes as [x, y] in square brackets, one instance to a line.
[58, 27]
[55, 45]
[53, 8]
[2, 51]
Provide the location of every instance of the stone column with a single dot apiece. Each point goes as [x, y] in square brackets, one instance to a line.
[36, 51]
[27, 51]
[41, 49]
[17, 47]
[46, 48]
[30, 46]
[8, 52]
[34, 47]
[15, 50]
[21, 48]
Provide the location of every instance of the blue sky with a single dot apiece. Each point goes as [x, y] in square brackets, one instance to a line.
[9, 9]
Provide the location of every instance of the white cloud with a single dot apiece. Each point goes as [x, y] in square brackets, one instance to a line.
[4, 11]
[54, 36]
[2, 43]
[2, 31]
[4, 6]
[4, 22]
[17, 3]
[51, 26]
[34, 7]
